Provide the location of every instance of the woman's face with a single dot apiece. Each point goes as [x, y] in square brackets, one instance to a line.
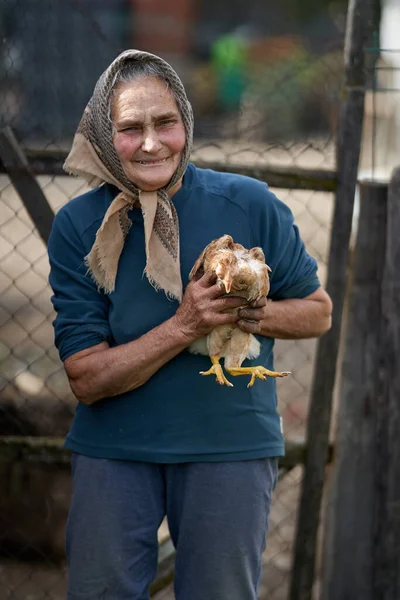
[149, 133]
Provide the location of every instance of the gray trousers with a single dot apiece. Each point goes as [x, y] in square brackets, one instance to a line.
[217, 515]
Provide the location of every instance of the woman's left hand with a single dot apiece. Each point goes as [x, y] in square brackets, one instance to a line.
[250, 317]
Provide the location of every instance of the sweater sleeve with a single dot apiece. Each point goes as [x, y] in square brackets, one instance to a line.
[81, 309]
[294, 271]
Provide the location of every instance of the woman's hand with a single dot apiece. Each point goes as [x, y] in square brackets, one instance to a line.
[250, 318]
[203, 308]
[289, 318]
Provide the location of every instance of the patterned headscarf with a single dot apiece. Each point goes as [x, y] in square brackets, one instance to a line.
[94, 158]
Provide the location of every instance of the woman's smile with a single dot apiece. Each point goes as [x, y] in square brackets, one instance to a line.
[152, 162]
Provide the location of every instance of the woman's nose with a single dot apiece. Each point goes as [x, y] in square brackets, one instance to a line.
[150, 143]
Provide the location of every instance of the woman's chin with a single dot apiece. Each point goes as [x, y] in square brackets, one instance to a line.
[152, 181]
[152, 186]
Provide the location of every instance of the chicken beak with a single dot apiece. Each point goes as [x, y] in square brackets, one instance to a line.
[228, 284]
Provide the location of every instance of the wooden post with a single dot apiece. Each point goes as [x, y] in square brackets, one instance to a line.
[348, 564]
[359, 24]
[386, 534]
[17, 168]
[362, 553]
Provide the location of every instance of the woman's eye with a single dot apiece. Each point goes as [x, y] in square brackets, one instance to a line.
[132, 129]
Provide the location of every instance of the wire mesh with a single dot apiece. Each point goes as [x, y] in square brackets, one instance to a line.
[382, 114]
[284, 115]
[35, 395]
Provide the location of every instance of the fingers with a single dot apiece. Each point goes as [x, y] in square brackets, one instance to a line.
[249, 326]
[228, 302]
[214, 288]
[250, 318]
[207, 280]
[217, 290]
[258, 303]
[198, 275]
[225, 319]
[251, 314]
[205, 305]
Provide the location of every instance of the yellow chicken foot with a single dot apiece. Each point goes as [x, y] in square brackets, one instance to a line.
[256, 372]
[216, 370]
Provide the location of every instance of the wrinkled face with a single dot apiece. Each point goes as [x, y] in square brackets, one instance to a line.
[149, 133]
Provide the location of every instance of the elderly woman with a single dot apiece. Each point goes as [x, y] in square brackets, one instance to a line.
[150, 437]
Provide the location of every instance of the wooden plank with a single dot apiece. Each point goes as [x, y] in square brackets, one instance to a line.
[318, 425]
[348, 571]
[16, 166]
[34, 449]
[51, 162]
[51, 450]
[292, 178]
[386, 533]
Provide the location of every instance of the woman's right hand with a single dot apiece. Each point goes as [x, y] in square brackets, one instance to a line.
[204, 306]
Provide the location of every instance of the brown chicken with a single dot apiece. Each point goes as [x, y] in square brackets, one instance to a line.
[243, 273]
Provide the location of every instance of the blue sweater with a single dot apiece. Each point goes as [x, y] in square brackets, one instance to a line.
[178, 415]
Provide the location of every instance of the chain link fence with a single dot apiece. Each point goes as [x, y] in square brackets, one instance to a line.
[283, 120]
[36, 399]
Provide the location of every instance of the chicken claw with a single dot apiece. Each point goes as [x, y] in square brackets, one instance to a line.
[256, 372]
[216, 370]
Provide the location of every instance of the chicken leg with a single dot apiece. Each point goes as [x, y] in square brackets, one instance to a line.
[216, 370]
[256, 373]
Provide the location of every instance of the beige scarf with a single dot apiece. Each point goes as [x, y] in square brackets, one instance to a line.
[94, 158]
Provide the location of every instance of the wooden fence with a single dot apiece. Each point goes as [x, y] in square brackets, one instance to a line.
[362, 551]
